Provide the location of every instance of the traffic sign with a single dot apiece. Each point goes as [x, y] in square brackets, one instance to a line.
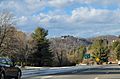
[87, 56]
[97, 59]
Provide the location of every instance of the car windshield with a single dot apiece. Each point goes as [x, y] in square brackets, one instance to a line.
[60, 39]
[2, 61]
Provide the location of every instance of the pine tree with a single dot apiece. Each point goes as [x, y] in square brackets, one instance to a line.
[100, 50]
[42, 55]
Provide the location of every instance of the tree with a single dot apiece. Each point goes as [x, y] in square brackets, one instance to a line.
[67, 50]
[22, 47]
[115, 44]
[100, 50]
[59, 53]
[42, 55]
[9, 43]
[6, 30]
[77, 55]
[116, 49]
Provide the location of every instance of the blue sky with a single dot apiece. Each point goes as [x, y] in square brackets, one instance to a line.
[81, 18]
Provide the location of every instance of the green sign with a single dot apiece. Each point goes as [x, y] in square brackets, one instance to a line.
[87, 56]
[104, 59]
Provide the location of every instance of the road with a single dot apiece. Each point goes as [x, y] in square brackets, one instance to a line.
[88, 72]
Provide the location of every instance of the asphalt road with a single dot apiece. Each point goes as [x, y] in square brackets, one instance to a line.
[102, 72]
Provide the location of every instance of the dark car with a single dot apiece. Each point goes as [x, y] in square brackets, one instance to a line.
[8, 69]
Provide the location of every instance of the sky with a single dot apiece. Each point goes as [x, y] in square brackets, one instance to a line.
[80, 18]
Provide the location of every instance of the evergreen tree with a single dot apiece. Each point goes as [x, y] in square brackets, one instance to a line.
[42, 55]
[100, 50]
[116, 49]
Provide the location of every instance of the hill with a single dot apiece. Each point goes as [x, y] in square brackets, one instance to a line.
[69, 41]
[110, 38]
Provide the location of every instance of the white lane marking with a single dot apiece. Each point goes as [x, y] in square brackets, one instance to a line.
[46, 77]
[96, 78]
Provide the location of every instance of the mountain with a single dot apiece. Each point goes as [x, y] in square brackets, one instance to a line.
[110, 38]
[70, 41]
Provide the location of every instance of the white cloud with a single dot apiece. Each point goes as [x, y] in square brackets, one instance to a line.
[100, 2]
[108, 2]
[51, 21]
[25, 7]
[81, 22]
[80, 18]
[85, 1]
[60, 3]
[92, 15]
[22, 20]
[64, 3]
[34, 5]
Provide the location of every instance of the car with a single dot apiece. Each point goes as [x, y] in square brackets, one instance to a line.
[109, 62]
[118, 62]
[8, 69]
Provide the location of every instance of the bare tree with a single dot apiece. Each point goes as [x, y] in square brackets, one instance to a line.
[6, 24]
[68, 50]
[60, 53]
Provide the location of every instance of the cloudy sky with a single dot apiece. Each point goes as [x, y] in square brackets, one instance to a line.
[81, 18]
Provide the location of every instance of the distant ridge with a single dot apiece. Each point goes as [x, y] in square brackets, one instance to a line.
[69, 42]
[110, 38]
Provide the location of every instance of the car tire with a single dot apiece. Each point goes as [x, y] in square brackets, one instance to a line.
[2, 76]
[18, 75]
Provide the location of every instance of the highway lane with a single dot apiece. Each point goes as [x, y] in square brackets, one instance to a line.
[103, 76]
[103, 72]
[53, 70]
